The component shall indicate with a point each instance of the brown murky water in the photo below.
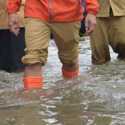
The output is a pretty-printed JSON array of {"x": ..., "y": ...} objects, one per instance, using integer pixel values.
[{"x": 97, "y": 97}]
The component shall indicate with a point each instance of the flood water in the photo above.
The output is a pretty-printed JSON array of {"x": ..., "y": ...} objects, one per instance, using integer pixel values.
[{"x": 96, "y": 97}]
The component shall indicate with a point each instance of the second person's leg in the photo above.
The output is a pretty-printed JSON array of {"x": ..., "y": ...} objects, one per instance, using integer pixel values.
[{"x": 100, "y": 41}]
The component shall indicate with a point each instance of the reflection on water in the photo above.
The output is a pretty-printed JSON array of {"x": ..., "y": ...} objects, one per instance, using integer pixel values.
[{"x": 97, "y": 97}]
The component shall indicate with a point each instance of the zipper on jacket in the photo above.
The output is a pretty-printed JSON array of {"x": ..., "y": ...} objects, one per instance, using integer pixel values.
[{"x": 50, "y": 10}]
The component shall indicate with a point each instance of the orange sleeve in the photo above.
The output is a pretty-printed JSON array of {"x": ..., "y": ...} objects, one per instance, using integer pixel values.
[
  {"x": 13, "y": 5},
  {"x": 92, "y": 6}
]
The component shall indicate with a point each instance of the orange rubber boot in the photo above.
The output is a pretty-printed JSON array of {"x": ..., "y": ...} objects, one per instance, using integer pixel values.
[
  {"x": 33, "y": 82},
  {"x": 70, "y": 74}
]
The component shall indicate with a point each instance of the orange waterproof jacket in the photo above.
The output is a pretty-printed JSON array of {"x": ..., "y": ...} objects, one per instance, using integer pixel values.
[{"x": 54, "y": 10}]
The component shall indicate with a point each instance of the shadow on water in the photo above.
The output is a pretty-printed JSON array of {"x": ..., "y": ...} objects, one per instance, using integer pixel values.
[{"x": 96, "y": 97}]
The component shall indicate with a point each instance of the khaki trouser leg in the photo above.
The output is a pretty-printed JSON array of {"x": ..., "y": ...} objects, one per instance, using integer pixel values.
[
  {"x": 117, "y": 35},
  {"x": 99, "y": 42},
  {"x": 66, "y": 36},
  {"x": 37, "y": 38}
]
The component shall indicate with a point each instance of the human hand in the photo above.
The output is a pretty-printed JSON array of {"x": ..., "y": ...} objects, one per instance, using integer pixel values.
[
  {"x": 90, "y": 23},
  {"x": 13, "y": 22}
]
